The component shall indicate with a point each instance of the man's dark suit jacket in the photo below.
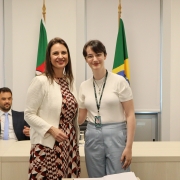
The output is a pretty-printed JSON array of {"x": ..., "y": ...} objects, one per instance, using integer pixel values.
[{"x": 18, "y": 124}]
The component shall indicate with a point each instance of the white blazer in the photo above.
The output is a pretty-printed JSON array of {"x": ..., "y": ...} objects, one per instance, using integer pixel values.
[{"x": 43, "y": 109}]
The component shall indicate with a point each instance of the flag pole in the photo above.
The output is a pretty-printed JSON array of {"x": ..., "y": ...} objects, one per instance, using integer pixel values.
[
  {"x": 44, "y": 11},
  {"x": 119, "y": 11}
]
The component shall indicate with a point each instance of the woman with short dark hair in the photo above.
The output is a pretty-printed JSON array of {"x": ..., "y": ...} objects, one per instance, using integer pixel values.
[{"x": 106, "y": 101}]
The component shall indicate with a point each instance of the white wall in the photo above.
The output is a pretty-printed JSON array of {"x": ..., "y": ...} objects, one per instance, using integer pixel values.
[
  {"x": 22, "y": 35},
  {"x": 170, "y": 119},
  {"x": 175, "y": 72},
  {"x": 1, "y": 45},
  {"x": 142, "y": 27},
  {"x": 67, "y": 19}
]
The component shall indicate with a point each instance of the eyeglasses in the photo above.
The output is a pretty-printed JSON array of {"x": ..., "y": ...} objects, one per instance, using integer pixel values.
[{"x": 90, "y": 57}]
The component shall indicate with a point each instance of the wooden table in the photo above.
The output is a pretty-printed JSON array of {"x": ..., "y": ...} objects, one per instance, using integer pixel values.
[
  {"x": 151, "y": 160},
  {"x": 156, "y": 160},
  {"x": 4, "y": 145}
]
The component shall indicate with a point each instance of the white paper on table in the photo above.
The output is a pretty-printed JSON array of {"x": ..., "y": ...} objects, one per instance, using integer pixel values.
[
  {"x": 89, "y": 178},
  {"x": 121, "y": 176}
]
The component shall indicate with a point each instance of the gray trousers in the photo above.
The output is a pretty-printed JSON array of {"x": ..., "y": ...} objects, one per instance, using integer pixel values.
[{"x": 103, "y": 149}]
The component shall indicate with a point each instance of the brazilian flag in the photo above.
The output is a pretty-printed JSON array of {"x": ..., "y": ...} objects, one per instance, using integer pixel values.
[{"x": 121, "y": 64}]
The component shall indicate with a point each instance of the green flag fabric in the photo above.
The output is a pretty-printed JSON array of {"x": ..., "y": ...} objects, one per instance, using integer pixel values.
[
  {"x": 40, "y": 65},
  {"x": 121, "y": 64}
]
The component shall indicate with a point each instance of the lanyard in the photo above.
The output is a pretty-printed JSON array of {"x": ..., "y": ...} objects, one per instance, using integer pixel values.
[{"x": 98, "y": 104}]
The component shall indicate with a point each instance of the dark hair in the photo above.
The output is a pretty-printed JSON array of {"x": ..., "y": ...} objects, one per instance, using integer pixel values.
[
  {"x": 49, "y": 72},
  {"x": 5, "y": 89},
  {"x": 96, "y": 45}
]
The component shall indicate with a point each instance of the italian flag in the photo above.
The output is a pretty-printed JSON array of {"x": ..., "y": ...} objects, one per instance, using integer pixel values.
[{"x": 41, "y": 55}]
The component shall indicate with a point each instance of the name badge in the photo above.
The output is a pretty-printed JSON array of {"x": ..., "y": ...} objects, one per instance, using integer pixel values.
[{"x": 98, "y": 121}]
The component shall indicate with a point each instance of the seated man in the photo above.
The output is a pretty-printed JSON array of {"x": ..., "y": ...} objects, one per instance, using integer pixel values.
[{"x": 13, "y": 125}]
